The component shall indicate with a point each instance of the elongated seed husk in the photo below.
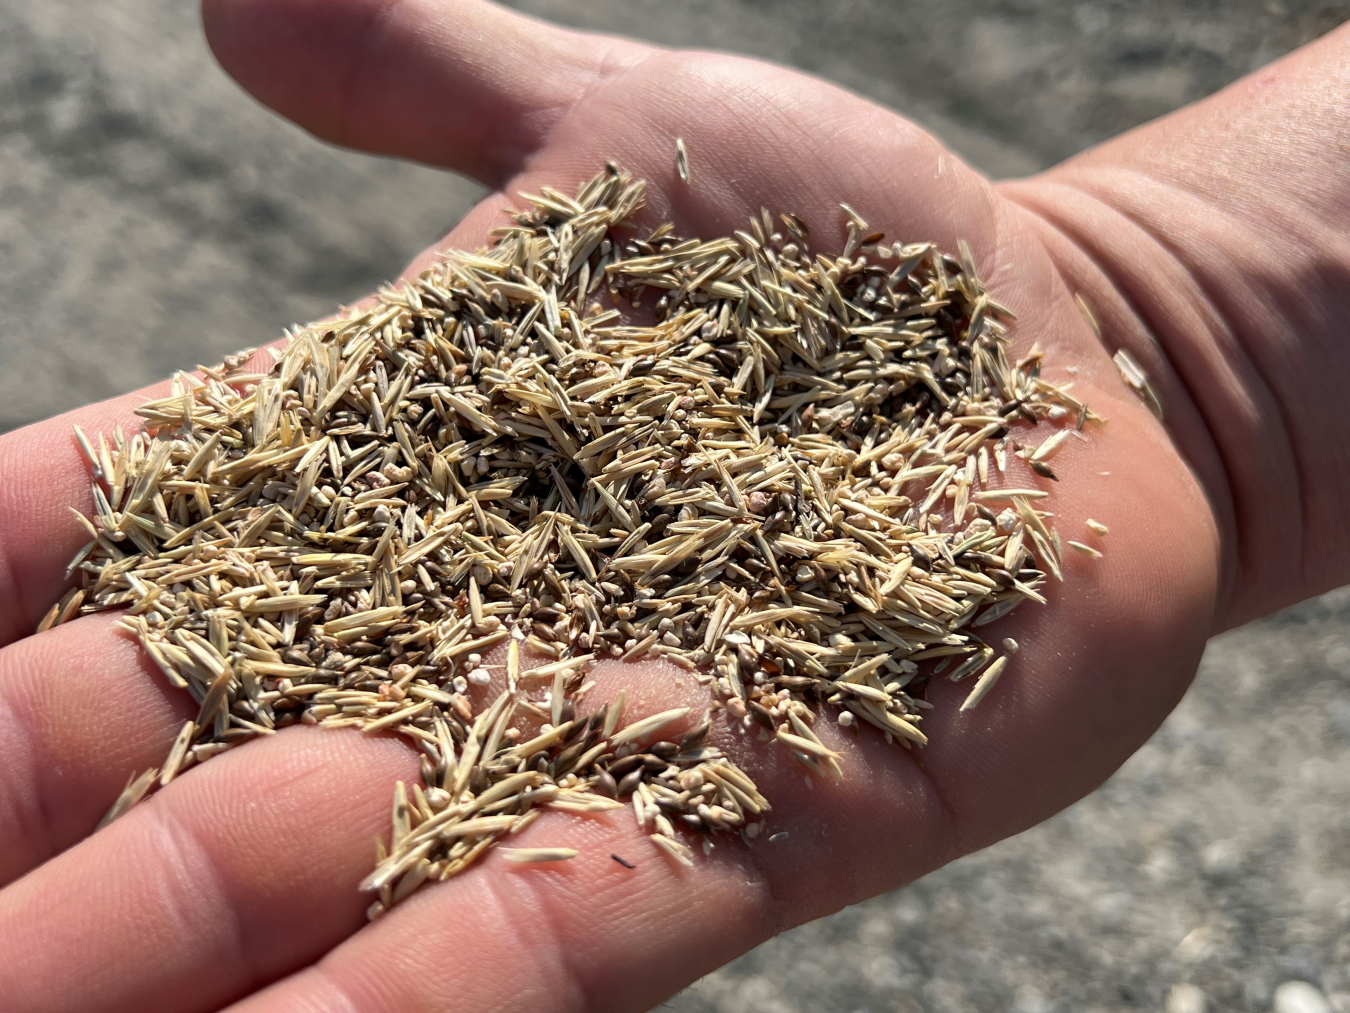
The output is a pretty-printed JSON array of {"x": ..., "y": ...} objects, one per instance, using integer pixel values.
[
  {"x": 529, "y": 855},
  {"x": 805, "y": 481}
]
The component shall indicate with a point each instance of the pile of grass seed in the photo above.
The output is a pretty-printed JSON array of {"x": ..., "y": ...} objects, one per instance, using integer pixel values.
[{"x": 432, "y": 517}]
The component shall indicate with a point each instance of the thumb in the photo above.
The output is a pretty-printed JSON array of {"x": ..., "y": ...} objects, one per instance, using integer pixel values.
[{"x": 462, "y": 84}]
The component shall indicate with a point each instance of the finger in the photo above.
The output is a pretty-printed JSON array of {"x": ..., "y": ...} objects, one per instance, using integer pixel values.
[
  {"x": 81, "y": 708},
  {"x": 238, "y": 872},
  {"x": 468, "y": 85}
]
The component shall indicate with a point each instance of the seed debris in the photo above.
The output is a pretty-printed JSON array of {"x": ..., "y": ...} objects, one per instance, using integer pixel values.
[
  {"x": 1086, "y": 550},
  {"x": 783, "y": 484},
  {"x": 985, "y": 683},
  {"x": 681, "y": 160},
  {"x": 525, "y": 856},
  {"x": 1137, "y": 380}
]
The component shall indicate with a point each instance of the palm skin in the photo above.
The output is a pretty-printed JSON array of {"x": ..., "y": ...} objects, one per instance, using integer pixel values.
[{"x": 235, "y": 886}]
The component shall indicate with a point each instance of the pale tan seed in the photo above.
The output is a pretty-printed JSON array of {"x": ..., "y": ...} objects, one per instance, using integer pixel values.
[
  {"x": 527, "y": 856},
  {"x": 1086, "y": 550},
  {"x": 778, "y": 480},
  {"x": 985, "y": 683}
]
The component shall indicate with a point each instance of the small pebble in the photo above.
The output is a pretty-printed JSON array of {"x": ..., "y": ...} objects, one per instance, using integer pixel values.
[
  {"x": 1300, "y": 997},
  {"x": 1185, "y": 998}
]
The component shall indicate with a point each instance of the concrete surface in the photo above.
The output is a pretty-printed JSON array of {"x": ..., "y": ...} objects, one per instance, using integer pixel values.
[{"x": 151, "y": 216}]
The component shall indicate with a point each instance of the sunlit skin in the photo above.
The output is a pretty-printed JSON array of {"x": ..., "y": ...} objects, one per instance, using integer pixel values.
[{"x": 1210, "y": 244}]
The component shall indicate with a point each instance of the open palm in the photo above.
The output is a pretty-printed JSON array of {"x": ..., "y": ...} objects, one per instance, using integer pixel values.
[{"x": 236, "y": 884}]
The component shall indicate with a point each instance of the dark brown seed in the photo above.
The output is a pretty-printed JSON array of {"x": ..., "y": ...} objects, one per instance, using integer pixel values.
[
  {"x": 694, "y": 736},
  {"x": 629, "y": 783},
  {"x": 569, "y": 754},
  {"x": 621, "y": 767}
]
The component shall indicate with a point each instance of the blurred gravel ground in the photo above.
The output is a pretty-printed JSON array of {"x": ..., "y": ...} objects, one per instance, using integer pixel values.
[{"x": 152, "y": 217}]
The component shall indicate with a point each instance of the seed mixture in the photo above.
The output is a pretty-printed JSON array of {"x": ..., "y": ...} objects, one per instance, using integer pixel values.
[{"x": 778, "y": 469}]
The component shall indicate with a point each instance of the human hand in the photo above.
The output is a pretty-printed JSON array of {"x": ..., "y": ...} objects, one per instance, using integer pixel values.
[{"x": 236, "y": 882}]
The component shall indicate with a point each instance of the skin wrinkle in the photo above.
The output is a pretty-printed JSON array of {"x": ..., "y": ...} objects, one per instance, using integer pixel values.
[
  {"x": 1247, "y": 541},
  {"x": 606, "y": 73},
  {"x": 299, "y": 776},
  {"x": 949, "y": 830},
  {"x": 1064, "y": 229},
  {"x": 503, "y": 915},
  {"x": 251, "y": 963},
  {"x": 1232, "y": 569},
  {"x": 51, "y": 781},
  {"x": 177, "y": 848},
  {"x": 772, "y": 903},
  {"x": 777, "y": 775},
  {"x": 562, "y": 966},
  {"x": 13, "y": 599},
  {"x": 1004, "y": 215},
  {"x": 34, "y": 819},
  {"x": 951, "y": 818},
  {"x": 785, "y": 770},
  {"x": 333, "y": 991}
]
